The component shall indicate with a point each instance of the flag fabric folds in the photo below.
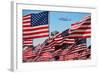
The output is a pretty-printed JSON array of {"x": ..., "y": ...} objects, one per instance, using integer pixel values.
[
  {"x": 35, "y": 26},
  {"x": 82, "y": 29}
]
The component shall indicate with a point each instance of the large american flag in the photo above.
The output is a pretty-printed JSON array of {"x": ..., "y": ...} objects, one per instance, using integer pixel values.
[
  {"x": 35, "y": 26},
  {"x": 81, "y": 29}
]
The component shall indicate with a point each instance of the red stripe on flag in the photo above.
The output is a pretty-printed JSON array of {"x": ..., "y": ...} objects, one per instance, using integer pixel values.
[
  {"x": 80, "y": 36},
  {"x": 26, "y": 18},
  {"x": 33, "y": 33},
  {"x": 26, "y": 26},
  {"x": 88, "y": 32},
  {"x": 37, "y": 28},
  {"x": 26, "y": 22}
]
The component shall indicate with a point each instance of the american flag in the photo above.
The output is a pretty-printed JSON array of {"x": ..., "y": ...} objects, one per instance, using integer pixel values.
[
  {"x": 59, "y": 39},
  {"x": 75, "y": 25},
  {"x": 69, "y": 40},
  {"x": 76, "y": 45},
  {"x": 66, "y": 40},
  {"x": 28, "y": 54},
  {"x": 35, "y": 26},
  {"x": 79, "y": 48},
  {"x": 75, "y": 51},
  {"x": 51, "y": 45},
  {"x": 28, "y": 42},
  {"x": 82, "y": 30}
]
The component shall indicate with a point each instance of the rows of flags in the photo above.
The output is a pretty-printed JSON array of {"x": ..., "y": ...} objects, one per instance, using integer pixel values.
[
  {"x": 78, "y": 50},
  {"x": 67, "y": 45}
]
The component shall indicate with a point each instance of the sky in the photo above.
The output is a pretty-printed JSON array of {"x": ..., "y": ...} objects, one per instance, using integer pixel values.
[{"x": 59, "y": 21}]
